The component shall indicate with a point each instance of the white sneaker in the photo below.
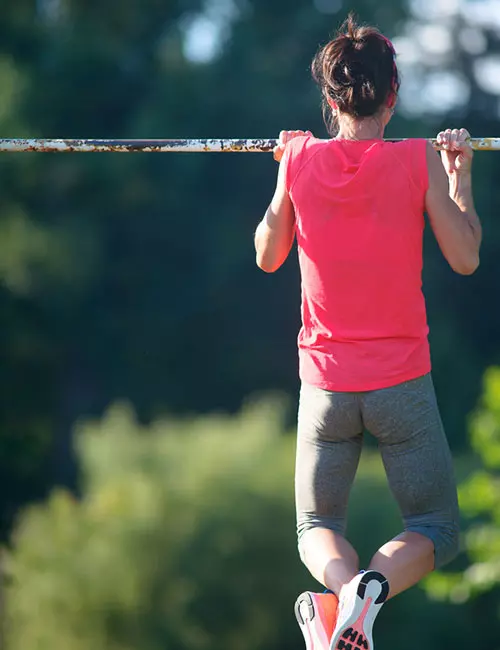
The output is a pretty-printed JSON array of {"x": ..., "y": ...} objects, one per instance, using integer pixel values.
[
  {"x": 360, "y": 602},
  {"x": 317, "y": 615}
]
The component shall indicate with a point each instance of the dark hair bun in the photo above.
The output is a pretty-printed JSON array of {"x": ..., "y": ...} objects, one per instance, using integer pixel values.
[{"x": 357, "y": 70}]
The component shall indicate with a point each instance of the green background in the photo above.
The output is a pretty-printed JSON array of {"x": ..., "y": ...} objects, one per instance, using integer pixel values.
[{"x": 130, "y": 299}]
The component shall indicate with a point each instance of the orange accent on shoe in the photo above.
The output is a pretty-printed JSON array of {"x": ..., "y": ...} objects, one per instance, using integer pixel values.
[
  {"x": 326, "y": 606},
  {"x": 317, "y": 617}
]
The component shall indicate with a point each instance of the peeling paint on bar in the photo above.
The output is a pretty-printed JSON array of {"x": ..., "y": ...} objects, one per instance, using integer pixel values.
[
  {"x": 131, "y": 146},
  {"x": 179, "y": 146}
]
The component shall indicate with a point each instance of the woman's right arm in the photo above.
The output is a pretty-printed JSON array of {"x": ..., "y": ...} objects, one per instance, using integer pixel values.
[{"x": 449, "y": 202}]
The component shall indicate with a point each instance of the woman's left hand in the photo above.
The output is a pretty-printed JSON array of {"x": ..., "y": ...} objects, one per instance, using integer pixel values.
[{"x": 284, "y": 138}]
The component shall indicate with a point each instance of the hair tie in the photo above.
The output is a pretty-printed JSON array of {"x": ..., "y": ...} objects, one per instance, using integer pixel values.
[{"x": 392, "y": 49}]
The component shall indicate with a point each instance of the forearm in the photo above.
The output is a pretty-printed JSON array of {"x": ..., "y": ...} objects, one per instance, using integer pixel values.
[
  {"x": 461, "y": 194},
  {"x": 267, "y": 256}
]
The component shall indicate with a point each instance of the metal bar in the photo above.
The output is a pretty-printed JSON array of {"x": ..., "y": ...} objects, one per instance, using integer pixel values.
[
  {"x": 130, "y": 146},
  {"x": 162, "y": 146}
]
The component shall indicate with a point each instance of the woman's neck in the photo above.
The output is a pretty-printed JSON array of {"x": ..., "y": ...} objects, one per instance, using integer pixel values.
[{"x": 362, "y": 129}]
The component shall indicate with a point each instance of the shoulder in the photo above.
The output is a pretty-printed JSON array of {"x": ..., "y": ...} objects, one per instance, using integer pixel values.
[
  {"x": 415, "y": 148},
  {"x": 298, "y": 153},
  {"x": 302, "y": 148},
  {"x": 415, "y": 145},
  {"x": 305, "y": 143}
]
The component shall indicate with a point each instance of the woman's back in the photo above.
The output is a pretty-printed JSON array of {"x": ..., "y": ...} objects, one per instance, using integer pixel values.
[{"x": 359, "y": 209}]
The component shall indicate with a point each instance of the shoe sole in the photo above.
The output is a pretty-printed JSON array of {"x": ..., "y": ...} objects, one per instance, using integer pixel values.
[
  {"x": 356, "y": 631},
  {"x": 310, "y": 624}
]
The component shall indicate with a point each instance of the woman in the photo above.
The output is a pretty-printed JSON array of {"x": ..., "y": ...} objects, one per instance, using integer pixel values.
[{"x": 356, "y": 206}]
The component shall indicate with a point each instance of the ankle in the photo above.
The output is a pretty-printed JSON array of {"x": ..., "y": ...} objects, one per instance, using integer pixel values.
[{"x": 339, "y": 586}]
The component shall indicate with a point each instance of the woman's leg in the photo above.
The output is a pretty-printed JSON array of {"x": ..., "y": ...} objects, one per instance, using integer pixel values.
[
  {"x": 329, "y": 442},
  {"x": 329, "y": 557},
  {"x": 404, "y": 561},
  {"x": 405, "y": 419}
]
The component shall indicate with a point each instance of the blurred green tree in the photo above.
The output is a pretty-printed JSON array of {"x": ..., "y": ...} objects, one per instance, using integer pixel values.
[
  {"x": 133, "y": 277},
  {"x": 168, "y": 544},
  {"x": 480, "y": 503},
  {"x": 184, "y": 538}
]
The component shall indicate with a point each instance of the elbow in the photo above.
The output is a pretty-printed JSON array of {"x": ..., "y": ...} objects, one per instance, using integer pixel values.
[
  {"x": 468, "y": 266},
  {"x": 267, "y": 258},
  {"x": 266, "y": 264}
]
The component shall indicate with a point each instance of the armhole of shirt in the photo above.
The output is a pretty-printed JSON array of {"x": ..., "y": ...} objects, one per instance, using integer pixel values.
[
  {"x": 288, "y": 160},
  {"x": 416, "y": 157}
]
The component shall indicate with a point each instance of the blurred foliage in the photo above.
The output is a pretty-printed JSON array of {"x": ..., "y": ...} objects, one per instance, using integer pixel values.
[
  {"x": 130, "y": 280},
  {"x": 133, "y": 277},
  {"x": 480, "y": 503},
  {"x": 165, "y": 546},
  {"x": 184, "y": 538}
]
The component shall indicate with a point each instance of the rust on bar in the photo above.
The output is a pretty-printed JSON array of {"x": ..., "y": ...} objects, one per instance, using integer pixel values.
[
  {"x": 180, "y": 145},
  {"x": 132, "y": 146}
]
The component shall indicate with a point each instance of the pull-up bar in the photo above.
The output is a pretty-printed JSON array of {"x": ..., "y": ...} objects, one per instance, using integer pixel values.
[{"x": 163, "y": 146}]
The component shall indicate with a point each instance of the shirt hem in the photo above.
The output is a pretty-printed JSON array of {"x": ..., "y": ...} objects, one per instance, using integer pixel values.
[{"x": 369, "y": 386}]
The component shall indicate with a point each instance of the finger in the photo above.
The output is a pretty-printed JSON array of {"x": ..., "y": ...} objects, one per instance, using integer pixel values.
[
  {"x": 278, "y": 153},
  {"x": 441, "y": 137},
  {"x": 464, "y": 143},
  {"x": 443, "y": 141},
  {"x": 290, "y": 135},
  {"x": 447, "y": 139},
  {"x": 282, "y": 138},
  {"x": 454, "y": 140}
]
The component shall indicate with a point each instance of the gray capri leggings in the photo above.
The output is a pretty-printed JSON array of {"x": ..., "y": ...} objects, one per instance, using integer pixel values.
[{"x": 406, "y": 422}]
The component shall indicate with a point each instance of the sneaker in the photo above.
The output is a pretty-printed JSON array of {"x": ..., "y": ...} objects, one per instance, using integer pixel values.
[
  {"x": 317, "y": 615},
  {"x": 360, "y": 602}
]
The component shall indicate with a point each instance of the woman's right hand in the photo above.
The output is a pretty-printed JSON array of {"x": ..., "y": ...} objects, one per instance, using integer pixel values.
[
  {"x": 284, "y": 138},
  {"x": 456, "y": 152}
]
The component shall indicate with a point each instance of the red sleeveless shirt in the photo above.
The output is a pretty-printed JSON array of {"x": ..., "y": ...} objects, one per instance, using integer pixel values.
[{"x": 359, "y": 208}]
